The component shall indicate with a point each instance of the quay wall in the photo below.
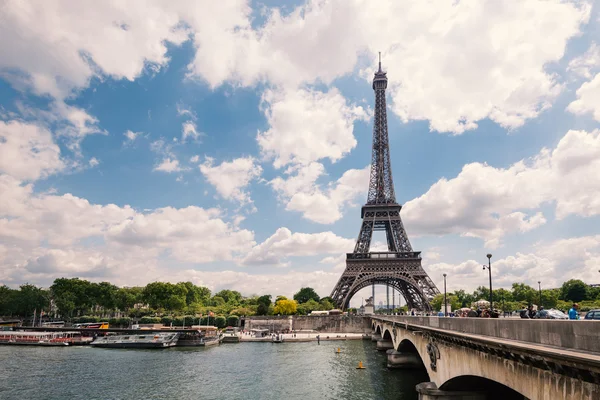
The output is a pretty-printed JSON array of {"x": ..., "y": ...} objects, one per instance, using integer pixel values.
[{"x": 320, "y": 323}]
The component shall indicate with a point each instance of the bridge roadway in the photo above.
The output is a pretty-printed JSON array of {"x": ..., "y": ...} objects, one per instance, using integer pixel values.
[{"x": 483, "y": 358}]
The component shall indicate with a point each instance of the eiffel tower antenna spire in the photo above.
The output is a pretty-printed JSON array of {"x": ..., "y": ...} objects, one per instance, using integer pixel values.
[{"x": 400, "y": 266}]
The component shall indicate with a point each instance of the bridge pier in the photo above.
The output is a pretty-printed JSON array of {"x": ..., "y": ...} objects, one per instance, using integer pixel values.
[
  {"x": 403, "y": 360},
  {"x": 430, "y": 391},
  {"x": 384, "y": 344},
  {"x": 375, "y": 337}
]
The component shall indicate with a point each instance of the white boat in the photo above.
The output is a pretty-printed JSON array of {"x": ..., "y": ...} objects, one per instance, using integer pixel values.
[
  {"x": 158, "y": 340},
  {"x": 277, "y": 338},
  {"x": 231, "y": 335}
]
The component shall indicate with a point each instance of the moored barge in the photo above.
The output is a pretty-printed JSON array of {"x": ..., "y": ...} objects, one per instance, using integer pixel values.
[
  {"x": 158, "y": 340},
  {"x": 69, "y": 338}
]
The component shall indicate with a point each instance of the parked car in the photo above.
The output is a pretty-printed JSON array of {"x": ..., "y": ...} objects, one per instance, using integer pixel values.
[
  {"x": 593, "y": 314},
  {"x": 553, "y": 314}
]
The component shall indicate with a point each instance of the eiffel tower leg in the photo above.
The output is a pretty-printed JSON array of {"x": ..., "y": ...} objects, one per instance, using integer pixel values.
[{"x": 363, "y": 243}]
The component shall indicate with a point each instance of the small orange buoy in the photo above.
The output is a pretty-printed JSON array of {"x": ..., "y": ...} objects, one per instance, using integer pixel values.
[
  {"x": 360, "y": 365},
  {"x": 338, "y": 350}
]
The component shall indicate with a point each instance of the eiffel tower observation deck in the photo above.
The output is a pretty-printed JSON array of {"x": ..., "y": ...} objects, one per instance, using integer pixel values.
[{"x": 400, "y": 266}]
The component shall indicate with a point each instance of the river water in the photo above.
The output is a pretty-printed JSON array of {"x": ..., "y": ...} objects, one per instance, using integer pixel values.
[{"x": 230, "y": 371}]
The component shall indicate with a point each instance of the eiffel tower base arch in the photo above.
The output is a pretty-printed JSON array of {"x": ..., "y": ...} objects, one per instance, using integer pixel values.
[{"x": 401, "y": 271}]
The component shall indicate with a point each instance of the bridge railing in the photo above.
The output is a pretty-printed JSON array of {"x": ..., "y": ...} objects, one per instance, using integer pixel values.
[{"x": 574, "y": 335}]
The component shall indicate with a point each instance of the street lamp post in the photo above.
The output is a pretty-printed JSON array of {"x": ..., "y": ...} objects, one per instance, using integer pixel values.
[
  {"x": 540, "y": 291},
  {"x": 445, "y": 301},
  {"x": 489, "y": 268}
]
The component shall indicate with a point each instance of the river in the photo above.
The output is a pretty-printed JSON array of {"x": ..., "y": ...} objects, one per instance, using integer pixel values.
[{"x": 230, "y": 371}]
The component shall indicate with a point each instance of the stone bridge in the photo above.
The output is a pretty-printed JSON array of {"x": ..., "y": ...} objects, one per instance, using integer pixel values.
[{"x": 482, "y": 358}]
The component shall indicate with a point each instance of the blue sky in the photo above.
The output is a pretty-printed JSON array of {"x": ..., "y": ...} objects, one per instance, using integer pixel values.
[{"x": 230, "y": 148}]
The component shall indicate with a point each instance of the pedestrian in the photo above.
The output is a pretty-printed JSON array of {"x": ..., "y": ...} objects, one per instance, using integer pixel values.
[{"x": 573, "y": 314}]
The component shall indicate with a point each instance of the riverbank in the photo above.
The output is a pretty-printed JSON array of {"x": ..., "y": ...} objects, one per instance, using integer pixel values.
[{"x": 307, "y": 337}]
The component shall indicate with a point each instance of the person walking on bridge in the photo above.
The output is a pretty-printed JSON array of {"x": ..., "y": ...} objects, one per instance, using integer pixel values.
[{"x": 573, "y": 314}]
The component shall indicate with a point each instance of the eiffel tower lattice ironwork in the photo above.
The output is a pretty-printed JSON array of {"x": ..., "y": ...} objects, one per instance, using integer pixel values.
[{"x": 399, "y": 267}]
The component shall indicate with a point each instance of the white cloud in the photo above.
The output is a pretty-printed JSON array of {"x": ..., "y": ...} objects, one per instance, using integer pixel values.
[
  {"x": 551, "y": 262},
  {"x": 189, "y": 131},
  {"x": 587, "y": 63},
  {"x": 588, "y": 99},
  {"x": 283, "y": 243},
  {"x": 318, "y": 204},
  {"x": 131, "y": 136},
  {"x": 230, "y": 178},
  {"x": 191, "y": 234},
  {"x": 27, "y": 151},
  {"x": 195, "y": 159},
  {"x": 429, "y": 52},
  {"x": 168, "y": 165},
  {"x": 487, "y": 202},
  {"x": 308, "y": 125},
  {"x": 93, "y": 162},
  {"x": 60, "y": 220},
  {"x": 106, "y": 39}
]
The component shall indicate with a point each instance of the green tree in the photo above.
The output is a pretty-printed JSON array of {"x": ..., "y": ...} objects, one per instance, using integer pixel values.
[
  {"x": 127, "y": 298},
  {"x": 106, "y": 295},
  {"x": 326, "y": 304},
  {"x": 523, "y": 293},
  {"x": 285, "y": 307},
  {"x": 72, "y": 295},
  {"x": 438, "y": 301},
  {"x": 464, "y": 298},
  {"x": 307, "y": 307},
  {"x": 7, "y": 300},
  {"x": 305, "y": 294},
  {"x": 264, "y": 302},
  {"x": 30, "y": 298},
  {"x": 233, "y": 320},
  {"x": 481, "y": 293},
  {"x": 220, "y": 322},
  {"x": 230, "y": 296},
  {"x": 550, "y": 297},
  {"x": 573, "y": 290},
  {"x": 217, "y": 301},
  {"x": 165, "y": 295}
]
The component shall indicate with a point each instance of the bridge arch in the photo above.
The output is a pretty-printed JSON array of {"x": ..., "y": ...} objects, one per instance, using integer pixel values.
[
  {"x": 378, "y": 330},
  {"x": 495, "y": 390},
  {"x": 387, "y": 335}
]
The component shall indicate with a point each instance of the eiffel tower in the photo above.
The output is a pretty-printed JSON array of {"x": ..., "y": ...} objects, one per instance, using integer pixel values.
[{"x": 400, "y": 266}]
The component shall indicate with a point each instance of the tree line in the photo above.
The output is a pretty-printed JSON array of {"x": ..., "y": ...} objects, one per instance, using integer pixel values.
[
  {"x": 79, "y": 300},
  {"x": 521, "y": 295}
]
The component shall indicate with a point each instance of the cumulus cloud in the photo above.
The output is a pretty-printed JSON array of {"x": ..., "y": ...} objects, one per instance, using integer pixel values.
[
  {"x": 588, "y": 99},
  {"x": 587, "y": 63},
  {"x": 168, "y": 165},
  {"x": 307, "y": 126},
  {"x": 428, "y": 51},
  {"x": 27, "y": 151},
  {"x": 283, "y": 243},
  {"x": 230, "y": 178},
  {"x": 93, "y": 162},
  {"x": 324, "y": 205},
  {"x": 131, "y": 136},
  {"x": 487, "y": 202},
  {"x": 551, "y": 262}
]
